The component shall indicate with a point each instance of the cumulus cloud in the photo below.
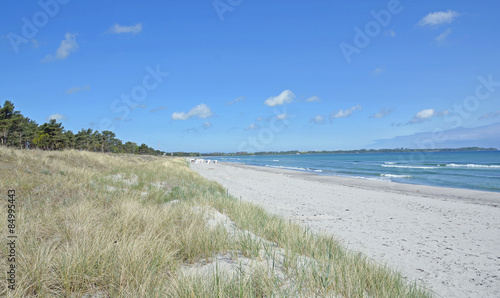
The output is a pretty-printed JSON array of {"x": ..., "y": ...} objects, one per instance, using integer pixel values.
[
  {"x": 154, "y": 110},
  {"x": 68, "y": 46},
  {"x": 201, "y": 111},
  {"x": 346, "y": 113},
  {"x": 57, "y": 117},
  {"x": 442, "y": 37},
  {"x": 313, "y": 99},
  {"x": 282, "y": 116},
  {"x": 73, "y": 90},
  {"x": 438, "y": 18},
  {"x": 252, "y": 126},
  {"x": 118, "y": 29},
  {"x": 241, "y": 98},
  {"x": 382, "y": 113},
  {"x": 426, "y": 115},
  {"x": 285, "y": 97},
  {"x": 318, "y": 120},
  {"x": 422, "y": 116}
]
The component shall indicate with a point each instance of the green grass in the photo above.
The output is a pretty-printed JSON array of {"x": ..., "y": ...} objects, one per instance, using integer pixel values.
[{"x": 91, "y": 223}]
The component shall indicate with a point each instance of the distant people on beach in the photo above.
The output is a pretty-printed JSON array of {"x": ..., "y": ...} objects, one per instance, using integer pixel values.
[{"x": 201, "y": 160}]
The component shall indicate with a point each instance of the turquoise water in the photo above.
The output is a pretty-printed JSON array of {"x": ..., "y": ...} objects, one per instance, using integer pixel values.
[{"x": 479, "y": 170}]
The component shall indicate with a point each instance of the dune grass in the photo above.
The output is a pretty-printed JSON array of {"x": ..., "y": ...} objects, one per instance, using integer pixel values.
[{"x": 100, "y": 225}]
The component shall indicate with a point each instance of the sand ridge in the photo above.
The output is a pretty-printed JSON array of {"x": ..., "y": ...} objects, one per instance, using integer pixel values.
[{"x": 446, "y": 239}]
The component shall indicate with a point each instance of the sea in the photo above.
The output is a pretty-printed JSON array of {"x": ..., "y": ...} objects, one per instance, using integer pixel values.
[{"x": 477, "y": 170}]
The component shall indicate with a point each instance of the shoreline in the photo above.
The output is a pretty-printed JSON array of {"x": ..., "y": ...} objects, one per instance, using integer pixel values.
[
  {"x": 444, "y": 238},
  {"x": 481, "y": 197},
  {"x": 472, "y": 170}
]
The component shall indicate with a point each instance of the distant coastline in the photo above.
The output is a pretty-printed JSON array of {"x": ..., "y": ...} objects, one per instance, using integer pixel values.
[{"x": 297, "y": 152}]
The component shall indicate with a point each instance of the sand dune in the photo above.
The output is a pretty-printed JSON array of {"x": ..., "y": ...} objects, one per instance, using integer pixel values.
[{"x": 446, "y": 239}]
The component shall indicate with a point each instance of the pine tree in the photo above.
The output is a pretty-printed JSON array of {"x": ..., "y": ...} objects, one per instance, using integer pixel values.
[
  {"x": 55, "y": 131},
  {"x": 108, "y": 139},
  {"x": 69, "y": 140},
  {"x": 41, "y": 140},
  {"x": 23, "y": 129},
  {"x": 8, "y": 117}
]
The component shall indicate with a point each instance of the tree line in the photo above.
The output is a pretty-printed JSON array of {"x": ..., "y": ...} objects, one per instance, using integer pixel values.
[{"x": 17, "y": 130}]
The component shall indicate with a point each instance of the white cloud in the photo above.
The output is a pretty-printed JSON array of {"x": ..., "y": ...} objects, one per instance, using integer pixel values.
[
  {"x": 241, "y": 98},
  {"x": 207, "y": 124},
  {"x": 346, "y": 113},
  {"x": 422, "y": 116},
  {"x": 318, "y": 120},
  {"x": 68, "y": 45},
  {"x": 285, "y": 97},
  {"x": 425, "y": 115},
  {"x": 282, "y": 116},
  {"x": 201, "y": 111},
  {"x": 77, "y": 89},
  {"x": 313, "y": 99},
  {"x": 442, "y": 37},
  {"x": 117, "y": 29},
  {"x": 382, "y": 113},
  {"x": 438, "y": 18},
  {"x": 57, "y": 117},
  {"x": 138, "y": 106},
  {"x": 251, "y": 126}
]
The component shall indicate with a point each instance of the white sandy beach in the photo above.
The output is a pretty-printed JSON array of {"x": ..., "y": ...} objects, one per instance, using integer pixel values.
[{"x": 446, "y": 239}]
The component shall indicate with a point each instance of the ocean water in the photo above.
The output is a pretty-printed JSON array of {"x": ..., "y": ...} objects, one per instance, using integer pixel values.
[{"x": 478, "y": 170}]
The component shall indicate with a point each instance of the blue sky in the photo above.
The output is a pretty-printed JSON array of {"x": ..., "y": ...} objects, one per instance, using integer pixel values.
[{"x": 240, "y": 75}]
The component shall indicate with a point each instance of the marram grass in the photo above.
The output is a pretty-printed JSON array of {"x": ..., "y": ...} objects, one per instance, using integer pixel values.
[{"x": 101, "y": 225}]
